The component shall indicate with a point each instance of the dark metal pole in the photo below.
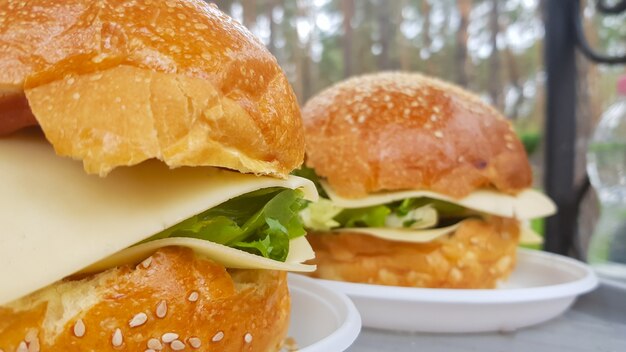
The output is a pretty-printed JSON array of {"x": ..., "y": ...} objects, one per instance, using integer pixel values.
[{"x": 560, "y": 125}]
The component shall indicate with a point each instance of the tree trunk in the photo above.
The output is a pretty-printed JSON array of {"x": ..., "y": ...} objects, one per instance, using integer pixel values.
[
  {"x": 404, "y": 46},
  {"x": 495, "y": 77},
  {"x": 464, "y": 8},
  {"x": 347, "y": 7},
  {"x": 515, "y": 81},
  {"x": 271, "y": 46},
  {"x": 249, "y": 13},
  {"x": 384, "y": 27},
  {"x": 426, "y": 39},
  {"x": 225, "y": 5}
]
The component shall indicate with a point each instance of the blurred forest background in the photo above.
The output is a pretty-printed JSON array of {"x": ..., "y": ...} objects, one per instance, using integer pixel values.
[{"x": 492, "y": 47}]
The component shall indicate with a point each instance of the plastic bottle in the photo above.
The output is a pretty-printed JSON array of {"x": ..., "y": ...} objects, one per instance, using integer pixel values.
[{"x": 606, "y": 166}]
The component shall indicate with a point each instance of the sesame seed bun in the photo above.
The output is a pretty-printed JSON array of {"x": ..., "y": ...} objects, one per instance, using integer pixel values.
[
  {"x": 173, "y": 300},
  {"x": 114, "y": 83},
  {"x": 395, "y": 131},
  {"x": 477, "y": 255}
]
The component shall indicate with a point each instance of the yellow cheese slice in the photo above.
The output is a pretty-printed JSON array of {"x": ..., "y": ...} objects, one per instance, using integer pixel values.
[
  {"x": 528, "y": 204},
  {"x": 527, "y": 235},
  {"x": 56, "y": 220},
  {"x": 299, "y": 250},
  {"x": 404, "y": 235}
]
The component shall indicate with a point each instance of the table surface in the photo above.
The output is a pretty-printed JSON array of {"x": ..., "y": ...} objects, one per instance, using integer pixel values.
[{"x": 596, "y": 322}]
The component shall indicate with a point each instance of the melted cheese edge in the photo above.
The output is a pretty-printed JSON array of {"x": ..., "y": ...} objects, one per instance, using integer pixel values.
[
  {"x": 528, "y": 204},
  {"x": 57, "y": 220},
  {"x": 527, "y": 235}
]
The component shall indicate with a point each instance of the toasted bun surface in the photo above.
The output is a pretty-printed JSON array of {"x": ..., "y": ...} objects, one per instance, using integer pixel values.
[
  {"x": 477, "y": 255},
  {"x": 393, "y": 131},
  {"x": 240, "y": 310},
  {"x": 115, "y": 82}
]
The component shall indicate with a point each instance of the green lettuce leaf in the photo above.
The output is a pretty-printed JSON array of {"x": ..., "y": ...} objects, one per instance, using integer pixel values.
[
  {"x": 320, "y": 215},
  {"x": 261, "y": 222},
  {"x": 416, "y": 213},
  {"x": 373, "y": 216}
]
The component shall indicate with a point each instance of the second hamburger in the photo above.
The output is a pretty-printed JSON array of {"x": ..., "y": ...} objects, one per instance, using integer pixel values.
[{"x": 425, "y": 185}]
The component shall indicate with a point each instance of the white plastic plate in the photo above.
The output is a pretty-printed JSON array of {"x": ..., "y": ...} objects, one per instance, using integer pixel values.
[
  {"x": 322, "y": 320},
  {"x": 543, "y": 286}
]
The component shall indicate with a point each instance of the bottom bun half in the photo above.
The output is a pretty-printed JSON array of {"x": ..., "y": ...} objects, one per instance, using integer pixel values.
[
  {"x": 477, "y": 255},
  {"x": 172, "y": 301}
]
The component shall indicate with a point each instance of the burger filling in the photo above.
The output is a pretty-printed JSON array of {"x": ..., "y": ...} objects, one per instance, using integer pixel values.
[
  {"x": 260, "y": 222},
  {"x": 410, "y": 213}
]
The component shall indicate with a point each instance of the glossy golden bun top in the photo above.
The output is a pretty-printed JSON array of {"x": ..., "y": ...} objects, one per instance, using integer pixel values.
[
  {"x": 394, "y": 131},
  {"x": 115, "y": 82}
]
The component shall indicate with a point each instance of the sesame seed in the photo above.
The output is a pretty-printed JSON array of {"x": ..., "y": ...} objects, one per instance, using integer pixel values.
[
  {"x": 31, "y": 336},
  {"x": 436, "y": 109},
  {"x": 70, "y": 81},
  {"x": 195, "y": 342},
  {"x": 510, "y": 146},
  {"x": 169, "y": 337},
  {"x": 218, "y": 337},
  {"x": 99, "y": 58},
  {"x": 138, "y": 320},
  {"x": 149, "y": 350},
  {"x": 117, "y": 338},
  {"x": 146, "y": 263},
  {"x": 461, "y": 159},
  {"x": 155, "y": 344},
  {"x": 22, "y": 347},
  {"x": 76, "y": 96},
  {"x": 433, "y": 118},
  {"x": 193, "y": 296},
  {"x": 247, "y": 337},
  {"x": 177, "y": 345},
  {"x": 428, "y": 126},
  {"x": 161, "y": 309},
  {"x": 79, "y": 328},
  {"x": 438, "y": 134},
  {"x": 33, "y": 346}
]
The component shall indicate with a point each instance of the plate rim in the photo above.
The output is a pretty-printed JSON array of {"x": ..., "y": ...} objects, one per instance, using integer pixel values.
[
  {"x": 346, "y": 334},
  {"x": 586, "y": 283}
]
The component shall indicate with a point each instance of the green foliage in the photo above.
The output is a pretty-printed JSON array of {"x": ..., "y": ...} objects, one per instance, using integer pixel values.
[{"x": 530, "y": 140}]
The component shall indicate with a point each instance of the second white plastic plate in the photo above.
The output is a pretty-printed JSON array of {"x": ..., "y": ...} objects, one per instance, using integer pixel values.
[{"x": 542, "y": 287}]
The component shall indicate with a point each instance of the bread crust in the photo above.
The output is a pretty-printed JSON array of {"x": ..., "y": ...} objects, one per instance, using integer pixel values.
[
  {"x": 239, "y": 310},
  {"x": 202, "y": 89},
  {"x": 477, "y": 255},
  {"x": 394, "y": 131}
]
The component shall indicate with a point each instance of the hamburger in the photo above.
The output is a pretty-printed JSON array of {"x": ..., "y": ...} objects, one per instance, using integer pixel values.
[
  {"x": 422, "y": 184},
  {"x": 177, "y": 229}
]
